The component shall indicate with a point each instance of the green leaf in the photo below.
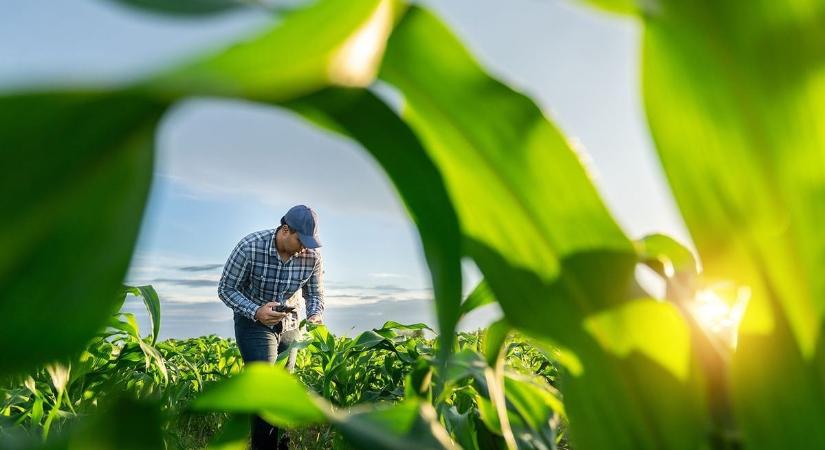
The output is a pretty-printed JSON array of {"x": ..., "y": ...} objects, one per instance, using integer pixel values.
[
  {"x": 348, "y": 39},
  {"x": 524, "y": 201},
  {"x": 409, "y": 425},
  {"x": 536, "y": 227},
  {"x": 480, "y": 296},
  {"x": 620, "y": 6},
  {"x": 365, "y": 118},
  {"x": 367, "y": 340},
  {"x": 666, "y": 256},
  {"x": 652, "y": 328},
  {"x": 535, "y": 405},
  {"x": 267, "y": 390},
  {"x": 184, "y": 7},
  {"x": 152, "y": 302},
  {"x": 78, "y": 173},
  {"x": 460, "y": 426},
  {"x": 122, "y": 424},
  {"x": 494, "y": 338},
  {"x": 234, "y": 435},
  {"x": 393, "y": 325},
  {"x": 743, "y": 154}
]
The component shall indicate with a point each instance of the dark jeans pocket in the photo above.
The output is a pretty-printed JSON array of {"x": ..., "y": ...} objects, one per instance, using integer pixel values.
[{"x": 257, "y": 342}]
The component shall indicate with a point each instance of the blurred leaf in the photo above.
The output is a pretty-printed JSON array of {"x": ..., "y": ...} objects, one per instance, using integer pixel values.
[
  {"x": 234, "y": 435},
  {"x": 409, "y": 425},
  {"x": 123, "y": 424},
  {"x": 460, "y": 426},
  {"x": 530, "y": 217},
  {"x": 368, "y": 120},
  {"x": 487, "y": 414},
  {"x": 348, "y": 39},
  {"x": 536, "y": 227},
  {"x": 666, "y": 256},
  {"x": 621, "y": 6},
  {"x": 78, "y": 173},
  {"x": 641, "y": 326},
  {"x": 185, "y": 7},
  {"x": 494, "y": 338},
  {"x": 480, "y": 296},
  {"x": 743, "y": 154},
  {"x": 267, "y": 390},
  {"x": 535, "y": 406},
  {"x": 418, "y": 382}
]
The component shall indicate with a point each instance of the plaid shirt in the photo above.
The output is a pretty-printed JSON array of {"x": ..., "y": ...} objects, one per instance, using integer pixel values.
[{"x": 254, "y": 274}]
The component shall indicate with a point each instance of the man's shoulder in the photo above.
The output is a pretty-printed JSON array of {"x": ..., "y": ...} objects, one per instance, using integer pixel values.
[
  {"x": 257, "y": 238},
  {"x": 311, "y": 253}
]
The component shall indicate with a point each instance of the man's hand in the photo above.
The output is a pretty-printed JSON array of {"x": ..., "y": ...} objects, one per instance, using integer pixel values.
[
  {"x": 315, "y": 318},
  {"x": 267, "y": 316}
]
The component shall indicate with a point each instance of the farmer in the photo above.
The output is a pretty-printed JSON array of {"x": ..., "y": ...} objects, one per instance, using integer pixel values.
[{"x": 265, "y": 270}]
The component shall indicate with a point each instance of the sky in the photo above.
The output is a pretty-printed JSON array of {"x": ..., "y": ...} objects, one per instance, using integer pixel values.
[{"x": 227, "y": 168}]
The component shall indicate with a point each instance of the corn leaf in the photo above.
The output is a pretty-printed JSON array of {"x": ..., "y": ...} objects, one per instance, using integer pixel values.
[
  {"x": 78, "y": 173},
  {"x": 549, "y": 250},
  {"x": 734, "y": 94}
]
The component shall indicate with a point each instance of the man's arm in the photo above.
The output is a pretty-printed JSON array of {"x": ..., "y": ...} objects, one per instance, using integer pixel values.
[
  {"x": 313, "y": 292},
  {"x": 235, "y": 272}
]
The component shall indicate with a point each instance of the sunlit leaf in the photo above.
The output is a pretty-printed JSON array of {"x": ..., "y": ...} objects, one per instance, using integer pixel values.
[
  {"x": 536, "y": 227},
  {"x": 348, "y": 38},
  {"x": 642, "y": 326},
  {"x": 254, "y": 391},
  {"x": 743, "y": 154}
]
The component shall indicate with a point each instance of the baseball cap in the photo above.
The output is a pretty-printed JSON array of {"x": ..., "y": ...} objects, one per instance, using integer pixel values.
[{"x": 304, "y": 221}]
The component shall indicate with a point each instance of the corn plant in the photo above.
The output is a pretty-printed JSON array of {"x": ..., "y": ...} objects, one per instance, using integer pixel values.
[
  {"x": 121, "y": 363},
  {"x": 733, "y": 95}
]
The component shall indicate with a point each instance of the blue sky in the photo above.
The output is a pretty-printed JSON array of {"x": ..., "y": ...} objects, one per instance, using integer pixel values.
[{"x": 227, "y": 168}]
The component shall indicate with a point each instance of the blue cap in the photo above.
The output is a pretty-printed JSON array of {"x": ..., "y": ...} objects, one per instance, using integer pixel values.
[{"x": 304, "y": 221}]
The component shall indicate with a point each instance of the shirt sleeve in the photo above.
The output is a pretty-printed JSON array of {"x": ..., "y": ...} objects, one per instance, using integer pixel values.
[
  {"x": 313, "y": 290},
  {"x": 235, "y": 273}
]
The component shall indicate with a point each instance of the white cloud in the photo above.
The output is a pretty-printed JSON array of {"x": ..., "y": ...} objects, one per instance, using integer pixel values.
[{"x": 231, "y": 149}]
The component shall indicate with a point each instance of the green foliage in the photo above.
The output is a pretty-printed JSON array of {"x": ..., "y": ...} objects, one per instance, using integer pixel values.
[
  {"x": 185, "y": 7},
  {"x": 394, "y": 145},
  {"x": 78, "y": 171},
  {"x": 733, "y": 95},
  {"x": 116, "y": 367},
  {"x": 121, "y": 375},
  {"x": 391, "y": 376},
  {"x": 742, "y": 153}
]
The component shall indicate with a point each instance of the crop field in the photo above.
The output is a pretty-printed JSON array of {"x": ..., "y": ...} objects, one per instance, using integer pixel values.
[
  {"x": 386, "y": 366},
  {"x": 586, "y": 355}
]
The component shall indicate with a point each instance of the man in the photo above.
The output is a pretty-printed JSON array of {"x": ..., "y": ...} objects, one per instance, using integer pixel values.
[{"x": 264, "y": 273}]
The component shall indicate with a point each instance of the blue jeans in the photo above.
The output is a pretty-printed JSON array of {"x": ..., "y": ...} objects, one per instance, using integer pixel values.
[{"x": 258, "y": 342}]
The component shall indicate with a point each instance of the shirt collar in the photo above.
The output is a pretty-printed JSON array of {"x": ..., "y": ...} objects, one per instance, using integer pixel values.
[{"x": 273, "y": 248}]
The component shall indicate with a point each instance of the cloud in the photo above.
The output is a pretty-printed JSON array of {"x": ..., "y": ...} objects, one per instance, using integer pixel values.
[
  {"x": 388, "y": 275},
  {"x": 201, "y": 268},
  {"x": 198, "y": 148},
  {"x": 187, "y": 282},
  {"x": 389, "y": 288}
]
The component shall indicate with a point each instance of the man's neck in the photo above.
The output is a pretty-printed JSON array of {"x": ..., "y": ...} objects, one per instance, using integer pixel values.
[{"x": 282, "y": 254}]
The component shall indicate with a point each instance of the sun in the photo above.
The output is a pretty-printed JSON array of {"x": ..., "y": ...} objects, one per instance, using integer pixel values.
[{"x": 719, "y": 308}]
